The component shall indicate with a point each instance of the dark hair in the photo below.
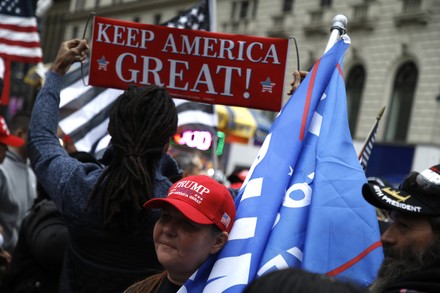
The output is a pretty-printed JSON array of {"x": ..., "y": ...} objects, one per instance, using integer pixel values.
[
  {"x": 20, "y": 121},
  {"x": 299, "y": 281},
  {"x": 142, "y": 120}
]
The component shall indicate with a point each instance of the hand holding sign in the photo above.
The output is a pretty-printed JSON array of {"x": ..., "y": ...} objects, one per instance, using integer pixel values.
[
  {"x": 298, "y": 77},
  {"x": 69, "y": 52}
]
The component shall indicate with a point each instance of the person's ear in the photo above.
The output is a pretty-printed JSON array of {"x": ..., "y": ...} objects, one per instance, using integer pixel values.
[
  {"x": 167, "y": 146},
  {"x": 220, "y": 241},
  {"x": 20, "y": 132}
]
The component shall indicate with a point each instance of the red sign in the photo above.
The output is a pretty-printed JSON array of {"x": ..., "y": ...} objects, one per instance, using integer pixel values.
[{"x": 201, "y": 66}]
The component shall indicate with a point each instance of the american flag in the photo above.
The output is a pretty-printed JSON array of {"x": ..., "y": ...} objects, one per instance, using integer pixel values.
[
  {"x": 84, "y": 110},
  {"x": 194, "y": 18},
  {"x": 226, "y": 220},
  {"x": 19, "y": 38},
  {"x": 365, "y": 153}
]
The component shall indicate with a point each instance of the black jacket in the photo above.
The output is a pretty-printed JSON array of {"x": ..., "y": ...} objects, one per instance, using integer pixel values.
[
  {"x": 426, "y": 281},
  {"x": 38, "y": 256}
]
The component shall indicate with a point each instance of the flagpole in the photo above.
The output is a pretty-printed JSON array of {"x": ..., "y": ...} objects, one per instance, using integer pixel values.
[
  {"x": 212, "y": 15},
  {"x": 212, "y": 7},
  {"x": 339, "y": 28},
  {"x": 373, "y": 129}
]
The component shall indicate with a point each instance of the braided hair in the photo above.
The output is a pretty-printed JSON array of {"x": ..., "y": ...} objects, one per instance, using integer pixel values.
[{"x": 142, "y": 120}]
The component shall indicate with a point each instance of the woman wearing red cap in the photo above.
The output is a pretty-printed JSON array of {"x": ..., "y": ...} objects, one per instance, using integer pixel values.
[{"x": 195, "y": 222}]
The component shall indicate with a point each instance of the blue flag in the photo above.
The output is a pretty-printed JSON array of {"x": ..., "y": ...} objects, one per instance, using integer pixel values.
[{"x": 301, "y": 204}]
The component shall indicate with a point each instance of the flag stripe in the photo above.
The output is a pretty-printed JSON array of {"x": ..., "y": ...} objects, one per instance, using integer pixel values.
[
  {"x": 308, "y": 99},
  {"x": 23, "y": 29},
  {"x": 15, "y": 35},
  {"x": 18, "y": 42},
  {"x": 101, "y": 143},
  {"x": 354, "y": 260},
  {"x": 76, "y": 75},
  {"x": 17, "y": 21},
  {"x": 73, "y": 92},
  {"x": 91, "y": 124},
  {"x": 197, "y": 115},
  {"x": 188, "y": 106},
  {"x": 20, "y": 51},
  {"x": 76, "y": 104},
  {"x": 22, "y": 59},
  {"x": 86, "y": 113},
  {"x": 365, "y": 153},
  {"x": 96, "y": 144},
  {"x": 340, "y": 70}
]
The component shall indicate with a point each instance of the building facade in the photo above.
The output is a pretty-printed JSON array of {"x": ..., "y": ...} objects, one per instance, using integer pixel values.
[{"x": 393, "y": 61}]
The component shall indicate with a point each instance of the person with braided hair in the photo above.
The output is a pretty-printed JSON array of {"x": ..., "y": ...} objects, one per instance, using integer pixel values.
[{"x": 111, "y": 244}]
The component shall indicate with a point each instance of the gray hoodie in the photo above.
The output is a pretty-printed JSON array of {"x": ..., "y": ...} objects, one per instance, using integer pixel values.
[{"x": 17, "y": 193}]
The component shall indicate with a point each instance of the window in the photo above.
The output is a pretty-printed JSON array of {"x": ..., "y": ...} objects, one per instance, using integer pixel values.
[
  {"x": 287, "y": 5},
  {"x": 157, "y": 18},
  {"x": 80, "y": 5},
  {"x": 411, "y": 5},
  {"x": 355, "y": 87},
  {"x": 326, "y": 3},
  {"x": 401, "y": 103},
  {"x": 244, "y": 9},
  {"x": 233, "y": 10},
  {"x": 244, "y": 6},
  {"x": 254, "y": 9},
  {"x": 361, "y": 10}
]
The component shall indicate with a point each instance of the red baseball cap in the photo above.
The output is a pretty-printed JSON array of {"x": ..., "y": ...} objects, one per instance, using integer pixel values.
[
  {"x": 202, "y": 200},
  {"x": 6, "y": 137}
]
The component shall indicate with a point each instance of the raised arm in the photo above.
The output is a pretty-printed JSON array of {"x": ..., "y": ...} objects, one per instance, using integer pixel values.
[{"x": 52, "y": 165}]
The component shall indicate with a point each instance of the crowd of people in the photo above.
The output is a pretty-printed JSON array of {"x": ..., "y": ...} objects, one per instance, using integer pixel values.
[{"x": 138, "y": 220}]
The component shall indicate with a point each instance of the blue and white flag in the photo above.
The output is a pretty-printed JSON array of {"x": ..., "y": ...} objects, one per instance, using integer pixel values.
[{"x": 301, "y": 204}]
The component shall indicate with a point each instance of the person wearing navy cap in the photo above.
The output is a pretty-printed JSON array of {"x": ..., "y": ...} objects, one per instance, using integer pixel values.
[{"x": 411, "y": 243}]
